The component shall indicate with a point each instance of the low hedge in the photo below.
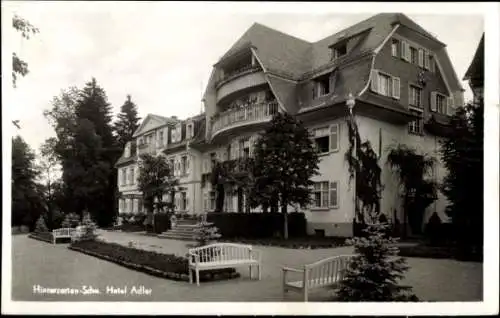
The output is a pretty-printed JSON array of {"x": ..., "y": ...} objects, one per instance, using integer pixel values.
[
  {"x": 442, "y": 252},
  {"x": 257, "y": 225},
  {"x": 294, "y": 243},
  {"x": 41, "y": 236},
  {"x": 162, "y": 265}
]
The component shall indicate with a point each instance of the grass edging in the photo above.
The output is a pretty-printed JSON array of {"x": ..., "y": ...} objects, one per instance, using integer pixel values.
[{"x": 147, "y": 269}]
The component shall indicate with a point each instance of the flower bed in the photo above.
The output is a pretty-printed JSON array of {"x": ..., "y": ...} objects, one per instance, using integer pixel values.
[
  {"x": 42, "y": 236},
  {"x": 295, "y": 243},
  {"x": 162, "y": 265}
]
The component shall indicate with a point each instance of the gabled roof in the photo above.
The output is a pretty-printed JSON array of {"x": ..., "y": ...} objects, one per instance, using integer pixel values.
[
  {"x": 161, "y": 119},
  {"x": 476, "y": 67}
]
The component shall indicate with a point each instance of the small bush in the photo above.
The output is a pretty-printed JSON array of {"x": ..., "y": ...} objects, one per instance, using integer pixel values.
[
  {"x": 206, "y": 233},
  {"x": 71, "y": 220},
  {"x": 41, "y": 227},
  {"x": 375, "y": 270}
]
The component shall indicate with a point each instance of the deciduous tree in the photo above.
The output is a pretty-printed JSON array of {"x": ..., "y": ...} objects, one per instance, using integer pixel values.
[
  {"x": 20, "y": 67},
  {"x": 285, "y": 161}
]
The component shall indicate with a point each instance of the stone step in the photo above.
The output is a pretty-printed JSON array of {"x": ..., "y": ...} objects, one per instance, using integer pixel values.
[{"x": 174, "y": 236}]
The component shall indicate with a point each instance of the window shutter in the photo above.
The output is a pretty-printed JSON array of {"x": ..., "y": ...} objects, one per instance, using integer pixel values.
[
  {"x": 426, "y": 60},
  {"x": 396, "y": 87},
  {"x": 334, "y": 137},
  {"x": 450, "y": 106},
  {"x": 252, "y": 145},
  {"x": 404, "y": 50},
  {"x": 188, "y": 164},
  {"x": 420, "y": 57},
  {"x": 187, "y": 203},
  {"x": 433, "y": 102},
  {"x": 333, "y": 194},
  {"x": 165, "y": 136},
  {"x": 374, "y": 81}
]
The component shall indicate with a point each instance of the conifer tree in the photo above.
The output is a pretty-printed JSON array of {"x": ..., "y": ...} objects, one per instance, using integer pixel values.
[{"x": 127, "y": 123}]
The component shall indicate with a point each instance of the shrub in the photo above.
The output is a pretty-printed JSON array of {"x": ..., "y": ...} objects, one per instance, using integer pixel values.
[
  {"x": 41, "y": 227},
  {"x": 89, "y": 228},
  {"x": 162, "y": 222},
  {"x": 71, "y": 220},
  {"x": 206, "y": 233},
  {"x": 257, "y": 225},
  {"x": 374, "y": 271}
]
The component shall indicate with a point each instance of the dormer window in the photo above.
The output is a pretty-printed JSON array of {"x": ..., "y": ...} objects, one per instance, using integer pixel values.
[
  {"x": 127, "y": 150},
  {"x": 189, "y": 131},
  {"x": 339, "y": 50},
  {"x": 322, "y": 86}
]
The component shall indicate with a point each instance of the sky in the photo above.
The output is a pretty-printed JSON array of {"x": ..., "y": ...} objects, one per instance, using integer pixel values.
[{"x": 162, "y": 54}]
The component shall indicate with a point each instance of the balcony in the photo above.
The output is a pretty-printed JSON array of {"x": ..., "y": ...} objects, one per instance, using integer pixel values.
[
  {"x": 242, "y": 78},
  {"x": 251, "y": 114},
  {"x": 146, "y": 148}
]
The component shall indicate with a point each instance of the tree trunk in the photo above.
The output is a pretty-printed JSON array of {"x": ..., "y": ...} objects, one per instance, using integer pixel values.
[
  {"x": 285, "y": 220},
  {"x": 265, "y": 207}
]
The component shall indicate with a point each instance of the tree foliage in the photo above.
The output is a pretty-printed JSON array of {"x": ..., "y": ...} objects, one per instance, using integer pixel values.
[
  {"x": 462, "y": 154},
  {"x": 27, "y": 200},
  {"x": 156, "y": 179},
  {"x": 419, "y": 191},
  {"x": 364, "y": 169},
  {"x": 285, "y": 162},
  {"x": 127, "y": 123},
  {"x": 375, "y": 270},
  {"x": 20, "y": 67},
  {"x": 87, "y": 150},
  {"x": 48, "y": 166}
]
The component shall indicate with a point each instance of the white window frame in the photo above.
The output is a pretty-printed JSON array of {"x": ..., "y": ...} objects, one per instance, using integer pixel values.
[
  {"x": 395, "y": 47},
  {"x": 330, "y": 131},
  {"x": 394, "y": 84},
  {"x": 411, "y": 125},
  {"x": 411, "y": 97},
  {"x": 327, "y": 189}
]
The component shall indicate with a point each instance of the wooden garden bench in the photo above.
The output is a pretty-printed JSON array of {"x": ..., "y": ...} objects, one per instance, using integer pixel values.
[
  {"x": 222, "y": 255},
  {"x": 321, "y": 274},
  {"x": 65, "y": 232}
]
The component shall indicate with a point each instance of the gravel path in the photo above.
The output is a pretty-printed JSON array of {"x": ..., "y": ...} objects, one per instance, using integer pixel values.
[{"x": 55, "y": 266}]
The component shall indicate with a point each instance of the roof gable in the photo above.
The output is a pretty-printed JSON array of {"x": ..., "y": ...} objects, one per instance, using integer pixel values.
[{"x": 151, "y": 122}]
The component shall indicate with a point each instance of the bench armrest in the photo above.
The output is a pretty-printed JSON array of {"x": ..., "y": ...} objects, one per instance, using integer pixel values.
[
  {"x": 255, "y": 254},
  {"x": 289, "y": 269},
  {"x": 196, "y": 258}
]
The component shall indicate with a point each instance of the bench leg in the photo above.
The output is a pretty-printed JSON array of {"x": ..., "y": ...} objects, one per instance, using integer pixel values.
[
  {"x": 305, "y": 293},
  {"x": 190, "y": 276},
  {"x": 258, "y": 269},
  {"x": 197, "y": 277},
  {"x": 285, "y": 290},
  {"x": 250, "y": 267}
]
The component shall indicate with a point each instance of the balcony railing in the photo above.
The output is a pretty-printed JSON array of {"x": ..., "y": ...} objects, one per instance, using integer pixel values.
[
  {"x": 250, "y": 113},
  {"x": 235, "y": 73},
  {"x": 146, "y": 148}
]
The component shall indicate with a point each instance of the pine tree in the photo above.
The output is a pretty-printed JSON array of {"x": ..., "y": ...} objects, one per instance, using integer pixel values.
[
  {"x": 285, "y": 161},
  {"x": 41, "y": 227},
  {"x": 96, "y": 152},
  {"x": 127, "y": 123},
  {"x": 462, "y": 154},
  {"x": 374, "y": 272}
]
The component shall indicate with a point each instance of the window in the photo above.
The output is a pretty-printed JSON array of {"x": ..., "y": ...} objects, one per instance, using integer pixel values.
[
  {"x": 132, "y": 176},
  {"x": 416, "y": 127},
  {"x": 213, "y": 159},
  {"x": 244, "y": 148},
  {"x": 339, "y": 50},
  {"x": 441, "y": 104},
  {"x": 413, "y": 55},
  {"x": 395, "y": 48},
  {"x": 432, "y": 63},
  {"x": 325, "y": 195},
  {"x": 124, "y": 176},
  {"x": 209, "y": 203},
  {"x": 321, "y": 87},
  {"x": 326, "y": 139},
  {"x": 384, "y": 85},
  {"x": 228, "y": 201},
  {"x": 160, "y": 135},
  {"x": 183, "y": 165},
  {"x": 415, "y": 96},
  {"x": 189, "y": 131},
  {"x": 183, "y": 206}
]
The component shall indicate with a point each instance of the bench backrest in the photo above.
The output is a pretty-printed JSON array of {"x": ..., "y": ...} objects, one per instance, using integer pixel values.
[
  {"x": 63, "y": 231},
  {"x": 327, "y": 270},
  {"x": 222, "y": 252}
]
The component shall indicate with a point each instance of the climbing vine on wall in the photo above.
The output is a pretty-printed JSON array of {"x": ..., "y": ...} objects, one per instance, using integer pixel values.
[{"x": 364, "y": 170}]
